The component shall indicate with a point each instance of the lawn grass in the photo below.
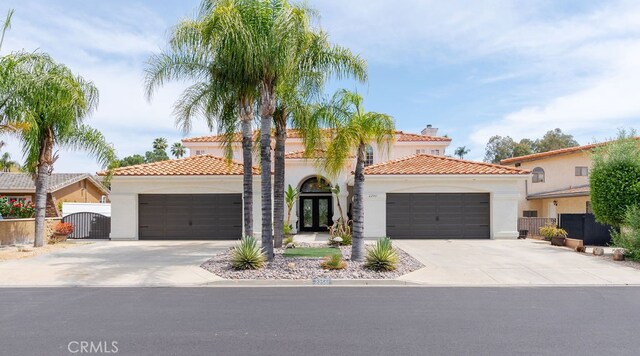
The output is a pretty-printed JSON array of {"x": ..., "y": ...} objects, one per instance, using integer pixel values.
[{"x": 311, "y": 252}]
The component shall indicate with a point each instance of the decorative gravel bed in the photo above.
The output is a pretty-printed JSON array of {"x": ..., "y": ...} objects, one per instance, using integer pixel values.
[
  {"x": 308, "y": 268},
  {"x": 609, "y": 257}
]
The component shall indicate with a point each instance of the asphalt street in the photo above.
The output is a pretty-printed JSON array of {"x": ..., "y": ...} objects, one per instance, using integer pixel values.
[{"x": 320, "y": 321}]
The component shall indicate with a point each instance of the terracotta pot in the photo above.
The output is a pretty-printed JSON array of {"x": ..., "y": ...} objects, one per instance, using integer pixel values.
[
  {"x": 557, "y": 241},
  {"x": 60, "y": 237}
]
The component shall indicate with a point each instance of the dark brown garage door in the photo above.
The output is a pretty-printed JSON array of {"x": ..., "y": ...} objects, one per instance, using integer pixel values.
[
  {"x": 190, "y": 216},
  {"x": 438, "y": 216}
]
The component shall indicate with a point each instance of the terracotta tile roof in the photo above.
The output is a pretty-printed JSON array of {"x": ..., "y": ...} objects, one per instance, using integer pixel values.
[
  {"x": 425, "y": 164},
  {"x": 581, "y": 190},
  {"x": 401, "y": 136},
  {"x": 203, "y": 165},
  {"x": 562, "y": 151},
  {"x": 411, "y": 137},
  {"x": 300, "y": 154}
]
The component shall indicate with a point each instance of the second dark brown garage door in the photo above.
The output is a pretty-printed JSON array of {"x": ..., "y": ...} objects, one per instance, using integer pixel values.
[
  {"x": 438, "y": 216},
  {"x": 190, "y": 216}
]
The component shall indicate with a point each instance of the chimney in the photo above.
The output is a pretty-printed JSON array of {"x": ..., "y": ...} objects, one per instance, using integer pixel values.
[{"x": 429, "y": 131}]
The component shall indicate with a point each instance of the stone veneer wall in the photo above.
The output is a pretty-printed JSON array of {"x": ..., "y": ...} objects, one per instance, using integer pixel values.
[{"x": 21, "y": 231}]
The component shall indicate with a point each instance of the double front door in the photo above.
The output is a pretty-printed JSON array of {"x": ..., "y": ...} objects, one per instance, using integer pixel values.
[{"x": 316, "y": 213}]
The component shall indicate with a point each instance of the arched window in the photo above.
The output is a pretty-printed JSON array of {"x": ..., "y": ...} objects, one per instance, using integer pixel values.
[
  {"x": 368, "y": 156},
  {"x": 538, "y": 175},
  {"x": 315, "y": 185}
]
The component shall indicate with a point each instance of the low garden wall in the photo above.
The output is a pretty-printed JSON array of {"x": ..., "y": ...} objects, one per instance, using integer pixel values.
[{"x": 22, "y": 231}]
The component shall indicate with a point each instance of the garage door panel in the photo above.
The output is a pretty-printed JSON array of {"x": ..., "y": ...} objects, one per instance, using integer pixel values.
[
  {"x": 438, "y": 215},
  {"x": 190, "y": 216}
]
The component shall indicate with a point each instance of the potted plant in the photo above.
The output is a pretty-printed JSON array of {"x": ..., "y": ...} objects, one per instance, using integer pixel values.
[
  {"x": 554, "y": 234},
  {"x": 61, "y": 231}
]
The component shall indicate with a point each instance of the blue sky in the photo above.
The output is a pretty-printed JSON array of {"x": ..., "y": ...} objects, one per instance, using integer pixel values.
[{"x": 471, "y": 68}]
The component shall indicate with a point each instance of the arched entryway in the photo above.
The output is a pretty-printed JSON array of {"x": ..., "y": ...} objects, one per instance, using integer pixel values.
[{"x": 315, "y": 205}]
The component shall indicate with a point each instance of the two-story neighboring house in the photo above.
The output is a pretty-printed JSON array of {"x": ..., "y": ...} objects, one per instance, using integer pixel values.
[
  {"x": 412, "y": 190},
  {"x": 559, "y": 183}
]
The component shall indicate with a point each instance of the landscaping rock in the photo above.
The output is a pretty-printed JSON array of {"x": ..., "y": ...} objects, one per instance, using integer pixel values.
[
  {"x": 618, "y": 255},
  {"x": 308, "y": 268},
  {"x": 581, "y": 249},
  {"x": 598, "y": 251}
]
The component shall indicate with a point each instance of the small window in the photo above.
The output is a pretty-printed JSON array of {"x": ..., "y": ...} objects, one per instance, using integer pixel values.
[
  {"x": 368, "y": 156},
  {"x": 530, "y": 214},
  {"x": 435, "y": 152},
  {"x": 199, "y": 152},
  {"x": 538, "y": 175},
  {"x": 588, "y": 208},
  {"x": 582, "y": 171}
]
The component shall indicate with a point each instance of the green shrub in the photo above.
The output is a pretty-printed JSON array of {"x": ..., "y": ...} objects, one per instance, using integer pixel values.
[
  {"x": 381, "y": 256},
  {"x": 614, "y": 179},
  {"x": 288, "y": 240},
  {"x": 628, "y": 237},
  {"x": 247, "y": 254},
  {"x": 287, "y": 229},
  {"x": 333, "y": 262},
  {"x": 548, "y": 231},
  {"x": 341, "y": 230}
]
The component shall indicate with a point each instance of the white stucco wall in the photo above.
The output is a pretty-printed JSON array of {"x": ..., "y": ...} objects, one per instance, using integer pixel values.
[
  {"x": 125, "y": 191},
  {"x": 504, "y": 194}
]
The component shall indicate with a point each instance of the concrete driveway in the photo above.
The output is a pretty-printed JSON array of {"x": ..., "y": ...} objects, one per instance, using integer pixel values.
[
  {"x": 116, "y": 263},
  {"x": 510, "y": 263},
  {"x": 447, "y": 262}
]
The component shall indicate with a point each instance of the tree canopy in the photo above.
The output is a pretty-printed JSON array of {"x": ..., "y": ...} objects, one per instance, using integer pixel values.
[{"x": 499, "y": 147}]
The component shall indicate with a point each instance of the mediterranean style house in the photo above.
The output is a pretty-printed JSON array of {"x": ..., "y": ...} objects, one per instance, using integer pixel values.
[
  {"x": 559, "y": 183},
  {"x": 412, "y": 190},
  {"x": 63, "y": 187}
]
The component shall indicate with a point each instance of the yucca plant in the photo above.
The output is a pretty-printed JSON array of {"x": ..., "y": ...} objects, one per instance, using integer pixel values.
[
  {"x": 247, "y": 254},
  {"x": 333, "y": 262},
  {"x": 381, "y": 256}
]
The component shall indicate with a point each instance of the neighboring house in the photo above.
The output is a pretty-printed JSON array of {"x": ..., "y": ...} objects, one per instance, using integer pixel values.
[
  {"x": 63, "y": 187},
  {"x": 412, "y": 191},
  {"x": 559, "y": 183}
]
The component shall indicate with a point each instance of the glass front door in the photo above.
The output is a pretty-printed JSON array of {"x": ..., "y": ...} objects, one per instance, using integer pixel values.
[{"x": 316, "y": 213}]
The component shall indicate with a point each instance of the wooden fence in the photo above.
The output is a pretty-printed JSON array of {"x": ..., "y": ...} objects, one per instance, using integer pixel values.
[{"x": 533, "y": 225}]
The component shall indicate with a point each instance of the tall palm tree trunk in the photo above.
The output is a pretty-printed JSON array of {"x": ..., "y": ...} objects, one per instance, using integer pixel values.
[
  {"x": 267, "y": 107},
  {"x": 278, "y": 179},
  {"x": 247, "y": 175},
  {"x": 357, "y": 246},
  {"x": 42, "y": 185}
]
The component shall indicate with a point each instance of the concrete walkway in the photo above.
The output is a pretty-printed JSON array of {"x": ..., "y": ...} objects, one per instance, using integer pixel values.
[
  {"x": 116, "y": 263},
  {"x": 510, "y": 263}
]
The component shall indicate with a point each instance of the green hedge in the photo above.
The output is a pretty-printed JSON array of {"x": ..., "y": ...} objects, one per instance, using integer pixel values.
[{"x": 615, "y": 179}]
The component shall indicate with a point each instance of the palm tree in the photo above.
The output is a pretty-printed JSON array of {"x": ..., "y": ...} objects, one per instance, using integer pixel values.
[
  {"x": 6, "y": 164},
  {"x": 210, "y": 51},
  {"x": 354, "y": 129},
  {"x": 258, "y": 43},
  {"x": 275, "y": 34},
  {"x": 53, "y": 104},
  {"x": 178, "y": 150},
  {"x": 160, "y": 144},
  {"x": 319, "y": 61},
  {"x": 462, "y": 151}
]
